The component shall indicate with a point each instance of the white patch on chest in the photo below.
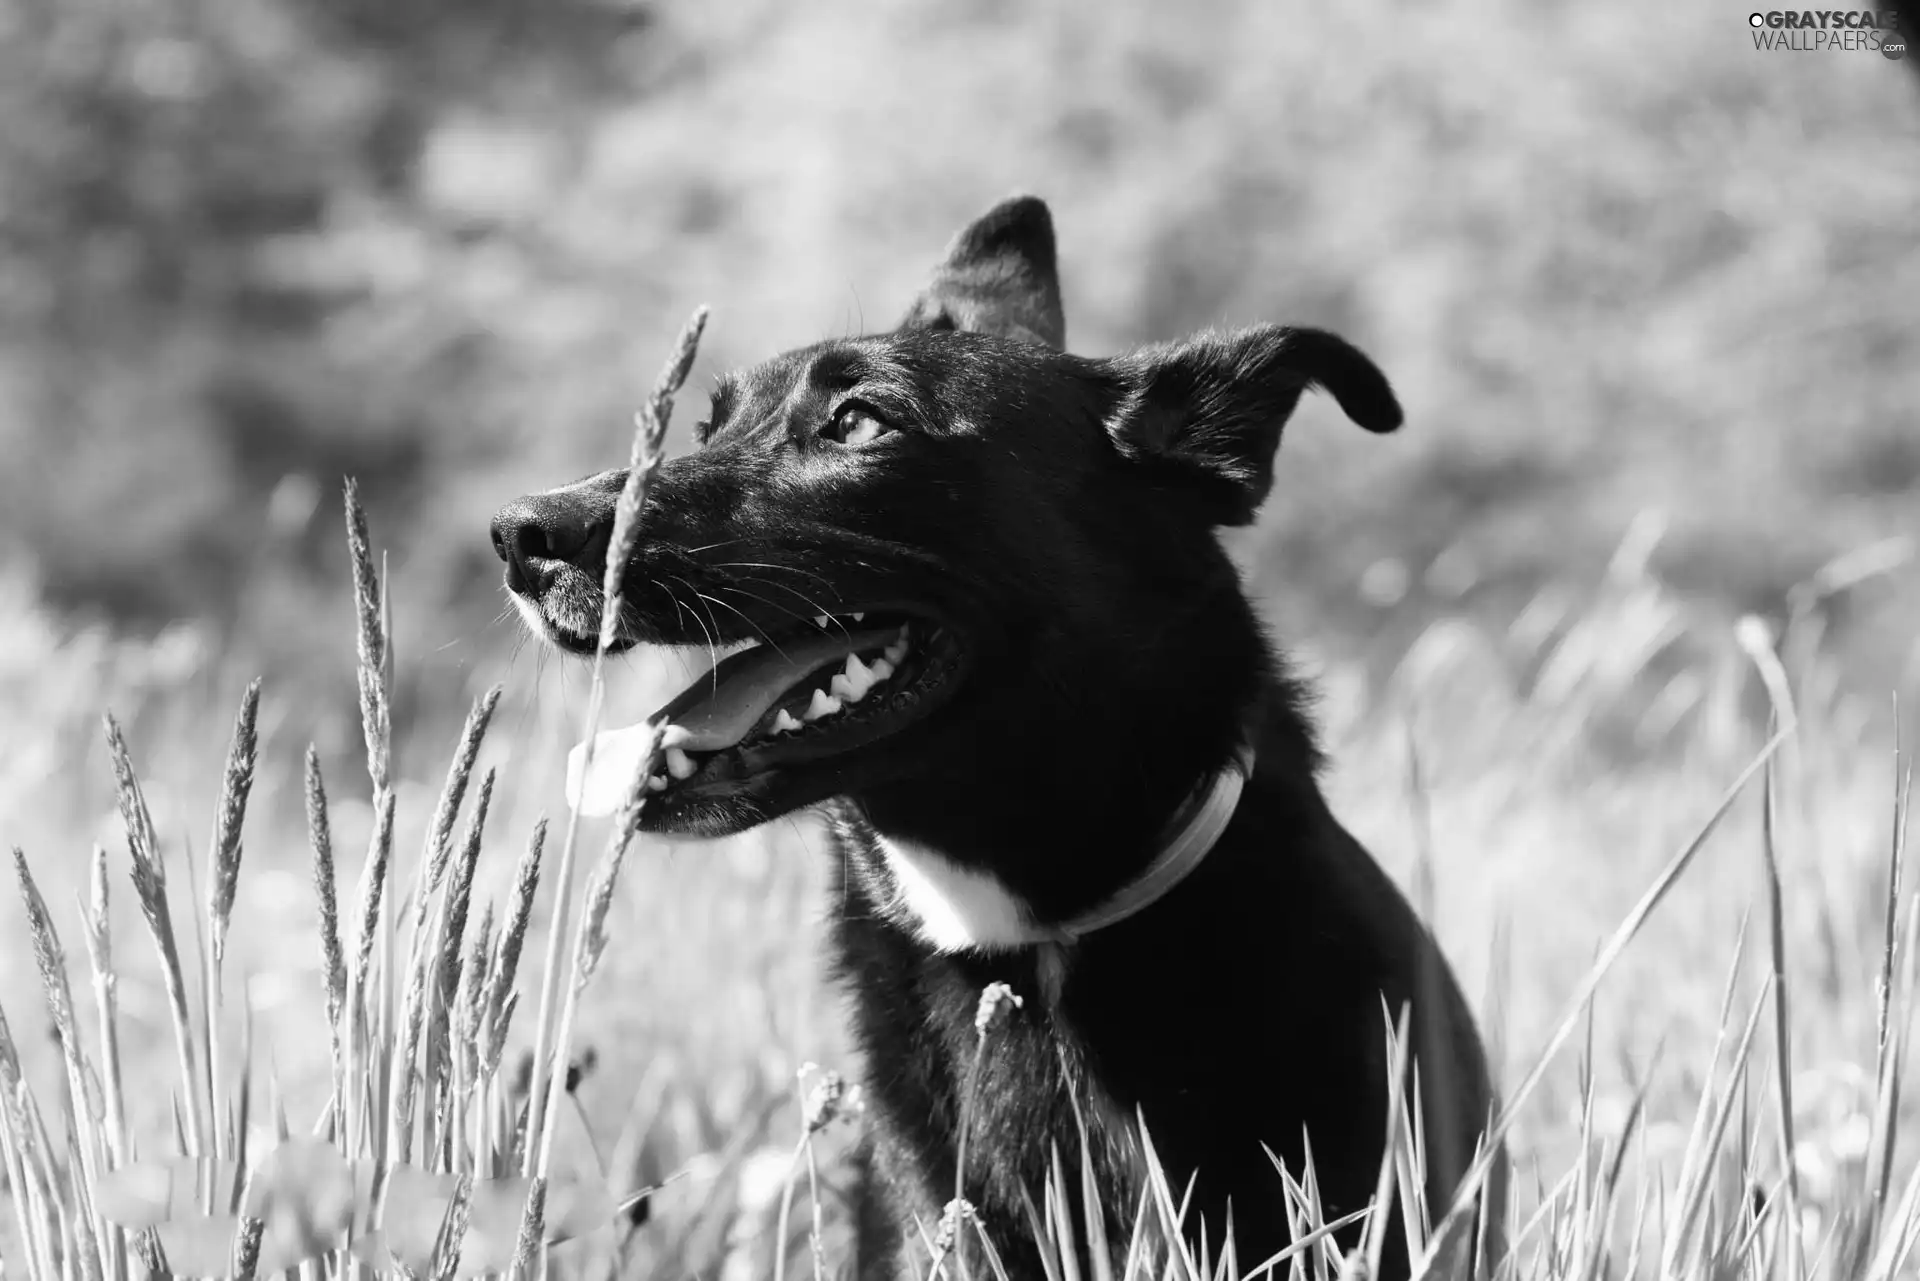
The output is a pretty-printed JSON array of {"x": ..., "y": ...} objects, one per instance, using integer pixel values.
[{"x": 955, "y": 908}]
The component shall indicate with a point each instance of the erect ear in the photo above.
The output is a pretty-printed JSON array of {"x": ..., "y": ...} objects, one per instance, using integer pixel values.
[
  {"x": 1213, "y": 406},
  {"x": 998, "y": 277}
]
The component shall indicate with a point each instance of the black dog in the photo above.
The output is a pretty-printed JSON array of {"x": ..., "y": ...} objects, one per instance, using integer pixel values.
[{"x": 999, "y": 638}]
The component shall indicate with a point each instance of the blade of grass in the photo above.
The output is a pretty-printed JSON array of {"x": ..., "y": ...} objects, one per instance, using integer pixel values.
[
  {"x": 527, "y": 1252},
  {"x": 1180, "y": 1261},
  {"x": 430, "y": 908},
  {"x": 449, "y": 966},
  {"x": 150, "y": 888},
  {"x": 202, "y": 970},
  {"x": 504, "y": 971},
  {"x": 1888, "y": 1082},
  {"x": 51, "y": 961},
  {"x": 1302, "y": 1244},
  {"x": 21, "y": 1192},
  {"x": 374, "y": 677},
  {"x": 1694, "y": 1195},
  {"x": 1697, "y": 1148},
  {"x": 1782, "y": 1023},
  {"x": 12, "y": 1151},
  {"x": 223, "y": 871},
  {"x": 589, "y": 941},
  {"x": 99, "y": 940},
  {"x": 1399, "y": 1047},
  {"x": 333, "y": 965},
  {"x": 362, "y": 1025},
  {"x": 1616, "y": 945},
  {"x": 1896, "y": 862},
  {"x": 648, "y": 452}
]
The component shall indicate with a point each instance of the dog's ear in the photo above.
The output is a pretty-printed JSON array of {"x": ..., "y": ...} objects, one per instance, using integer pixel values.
[
  {"x": 1213, "y": 406},
  {"x": 999, "y": 277}
]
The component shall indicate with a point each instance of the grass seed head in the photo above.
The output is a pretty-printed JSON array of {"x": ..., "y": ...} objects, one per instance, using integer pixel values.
[
  {"x": 231, "y": 817},
  {"x": 823, "y": 1101},
  {"x": 649, "y": 447},
  {"x": 47, "y": 954},
  {"x": 513, "y": 938},
  {"x": 333, "y": 964},
  {"x": 997, "y": 1004},
  {"x": 460, "y": 891},
  {"x": 373, "y": 645},
  {"x": 459, "y": 772},
  {"x": 143, "y": 844}
]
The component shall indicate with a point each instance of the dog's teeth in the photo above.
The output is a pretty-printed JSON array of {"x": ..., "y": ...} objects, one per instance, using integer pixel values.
[
  {"x": 783, "y": 722},
  {"x": 823, "y": 704},
  {"x": 821, "y": 621},
  {"x": 658, "y": 783},
  {"x": 679, "y": 764},
  {"x": 880, "y": 670},
  {"x": 853, "y": 683},
  {"x": 860, "y": 617},
  {"x": 898, "y": 650},
  {"x": 674, "y": 735}
]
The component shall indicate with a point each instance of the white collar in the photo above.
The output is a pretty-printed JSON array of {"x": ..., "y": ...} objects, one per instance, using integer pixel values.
[
  {"x": 1190, "y": 836},
  {"x": 955, "y": 908}
]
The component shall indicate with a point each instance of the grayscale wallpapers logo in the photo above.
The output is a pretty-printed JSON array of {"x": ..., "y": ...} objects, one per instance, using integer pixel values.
[{"x": 1829, "y": 31}]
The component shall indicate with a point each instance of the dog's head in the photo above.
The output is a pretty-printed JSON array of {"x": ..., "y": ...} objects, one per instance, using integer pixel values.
[{"x": 950, "y": 563}]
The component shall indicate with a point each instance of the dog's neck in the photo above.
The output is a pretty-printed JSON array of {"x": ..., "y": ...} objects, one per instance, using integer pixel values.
[
  {"x": 1189, "y": 838},
  {"x": 956, "y": 908}
]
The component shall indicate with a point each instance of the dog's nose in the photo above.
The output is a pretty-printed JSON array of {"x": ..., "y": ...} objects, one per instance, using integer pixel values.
[{"x": 534, "y": 533}]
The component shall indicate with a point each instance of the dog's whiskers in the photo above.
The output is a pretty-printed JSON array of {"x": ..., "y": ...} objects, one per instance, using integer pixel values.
[
  {"x": 672, "y": 599},
  {"x": 814, "y": 608},
  {"x": 755, "y": 564},
  {"x": 758, "y": 630},
  {"x": 713, "y": 645},
  {"x": 785, "y": 611},
  {"x": 532, "y": 705},
  {"x": 725, "y": 542}
]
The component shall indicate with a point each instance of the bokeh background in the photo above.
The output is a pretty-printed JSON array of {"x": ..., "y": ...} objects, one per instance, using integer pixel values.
[{"x": 1647, "y": 293}]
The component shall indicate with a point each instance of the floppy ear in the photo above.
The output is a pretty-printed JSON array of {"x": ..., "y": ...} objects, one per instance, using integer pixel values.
[
  {"x": 999, "y": 278},
  {"x": 1214, "y": 406}
]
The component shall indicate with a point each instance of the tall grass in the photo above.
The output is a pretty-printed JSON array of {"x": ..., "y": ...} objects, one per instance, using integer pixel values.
[
  {"x": 432, "y": 1157},
  {"x": 426, "y": 1160}
]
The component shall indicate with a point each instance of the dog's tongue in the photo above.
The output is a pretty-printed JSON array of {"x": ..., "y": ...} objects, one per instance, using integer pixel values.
[
  {"x": 713, "y": 713},
  {"x": 617, "y": 757}
]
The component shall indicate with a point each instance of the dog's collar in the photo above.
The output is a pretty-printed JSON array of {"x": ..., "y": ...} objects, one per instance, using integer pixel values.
[{"x": 1191, "y": 835}]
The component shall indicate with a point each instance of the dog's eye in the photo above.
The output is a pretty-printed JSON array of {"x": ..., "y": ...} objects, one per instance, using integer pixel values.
[{"x": 855, "y": 424}]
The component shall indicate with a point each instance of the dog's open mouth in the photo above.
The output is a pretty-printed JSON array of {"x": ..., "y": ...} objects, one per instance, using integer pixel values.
[{"x": 799, "y": 695}]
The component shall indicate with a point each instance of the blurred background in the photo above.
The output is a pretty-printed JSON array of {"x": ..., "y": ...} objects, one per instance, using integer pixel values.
[
  {"x": 1614, "y": 261},
  {"x": 1646, "y": 292}
]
